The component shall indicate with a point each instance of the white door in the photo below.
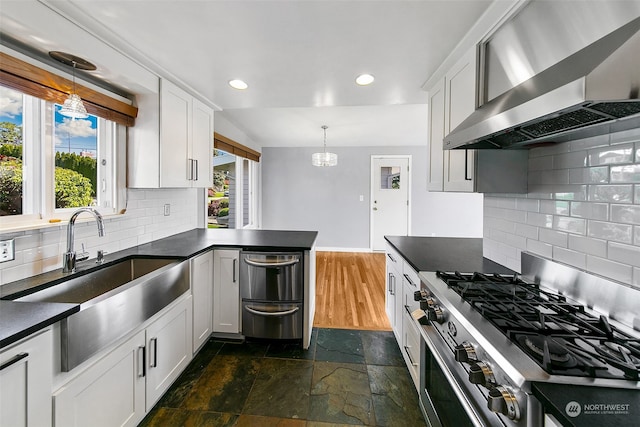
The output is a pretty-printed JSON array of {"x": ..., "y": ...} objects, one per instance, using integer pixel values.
[{"x": 389, "y": 198}]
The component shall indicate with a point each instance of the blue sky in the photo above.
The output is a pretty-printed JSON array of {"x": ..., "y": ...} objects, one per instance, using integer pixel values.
[{"x": 70, "y": 135}]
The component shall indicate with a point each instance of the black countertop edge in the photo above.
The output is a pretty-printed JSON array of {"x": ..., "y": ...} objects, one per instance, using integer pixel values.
[
  {"x": 21, "y": 319},
  {"x": 589, "y": 406},
  {"x": 463, "y": 254},
  {"x": 18, "y": 322}
]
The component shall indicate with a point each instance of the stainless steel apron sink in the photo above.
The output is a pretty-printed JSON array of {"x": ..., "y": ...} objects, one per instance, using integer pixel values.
[{"x": 114, "y": 300}]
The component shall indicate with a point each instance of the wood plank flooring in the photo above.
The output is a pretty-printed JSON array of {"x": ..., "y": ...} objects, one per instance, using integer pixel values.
[{"x": 350, "y": 291}]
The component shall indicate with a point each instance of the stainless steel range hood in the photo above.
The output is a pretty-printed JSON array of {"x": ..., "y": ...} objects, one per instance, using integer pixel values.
[{"x": 593, "y": 91}]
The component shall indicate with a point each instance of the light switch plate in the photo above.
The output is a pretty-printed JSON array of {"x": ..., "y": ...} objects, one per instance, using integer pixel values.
[
  {"x": 167, "y": 209},
  {"x": 7, "y": 250}
]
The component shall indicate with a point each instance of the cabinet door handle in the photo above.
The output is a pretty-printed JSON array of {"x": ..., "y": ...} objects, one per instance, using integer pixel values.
[
  {"x": 141, "y": 358},
  {"x": 466, "y": 165},
  {"x": 196, "y": 168},
  {"x": 153, "y": 352},
  {"x": 406, "y": 349},
  {"x": 391, "y": 258},
  {"x": 389, "y": 281},
  {"x": 406, "y": 276},
  {"x": 15, "y": 359},
  {"x": 235, "y": 262}
]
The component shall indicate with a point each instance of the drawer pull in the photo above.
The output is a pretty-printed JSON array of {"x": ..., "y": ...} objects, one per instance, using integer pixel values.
[
  {"x": 271, "y": 313},
  {"x": 406, "y": 349},
  {"x": 15, "y": 359},
  {"x": 406, "y": 276}
]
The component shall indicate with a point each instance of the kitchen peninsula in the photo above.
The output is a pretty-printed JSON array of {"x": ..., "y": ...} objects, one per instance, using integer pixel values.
[{"x": 129, "y": 365}]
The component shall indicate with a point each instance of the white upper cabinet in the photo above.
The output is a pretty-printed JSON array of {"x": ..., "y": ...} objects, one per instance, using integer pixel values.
[
  {"x": 171, "y": 145},
  {"x": 460, "y": 103},
  {"x": 451, "y": 100}
]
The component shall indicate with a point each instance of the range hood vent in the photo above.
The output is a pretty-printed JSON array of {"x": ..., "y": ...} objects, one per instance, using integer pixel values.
[{"x": 592, "y": 92}]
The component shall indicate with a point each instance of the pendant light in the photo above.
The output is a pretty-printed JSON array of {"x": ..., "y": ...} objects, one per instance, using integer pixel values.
[
  {"x": 73, "y": 106},
  {"x": 324, "y": 158}
]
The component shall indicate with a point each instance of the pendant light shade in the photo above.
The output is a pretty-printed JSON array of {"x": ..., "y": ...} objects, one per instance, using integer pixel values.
[
  {"x": 324, "y": 158},
  {"x": 73, "y": 106}
]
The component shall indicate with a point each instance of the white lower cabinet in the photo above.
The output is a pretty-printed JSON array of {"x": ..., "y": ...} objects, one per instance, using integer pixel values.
[
  {"x": 226, "y": 291},
  {"x": 25, "y": 382},
  {"x": 202, "y": 291},
  {"x": 110, "y": 393},
  {"x": 402, "y": 282},
  {"x": 121, "y": 387}
]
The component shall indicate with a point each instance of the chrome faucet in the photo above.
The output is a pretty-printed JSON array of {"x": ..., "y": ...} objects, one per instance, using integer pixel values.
[{"x": 69, "y": 258}]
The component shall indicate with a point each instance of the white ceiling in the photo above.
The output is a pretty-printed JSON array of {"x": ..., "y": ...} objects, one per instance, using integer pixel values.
[{"x": 300, "y": 59}]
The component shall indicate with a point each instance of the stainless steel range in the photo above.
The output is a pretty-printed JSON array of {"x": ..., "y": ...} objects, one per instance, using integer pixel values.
[{"x": 488, "y": 338}]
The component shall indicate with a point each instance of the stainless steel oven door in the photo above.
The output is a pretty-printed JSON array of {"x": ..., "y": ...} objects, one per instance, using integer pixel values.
[
  {"x": 446, "y": 396},
  {"x": 272, "y": 320},
  {"x": 271, "y": 276}
]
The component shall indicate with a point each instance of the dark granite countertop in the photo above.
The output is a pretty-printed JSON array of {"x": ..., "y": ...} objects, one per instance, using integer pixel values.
[
  {"x": 446, "y": 254},
  {"x": 20, "y": 319},
  {"x": 590, "y": 406},
  {"x": 180, "y": 246}
]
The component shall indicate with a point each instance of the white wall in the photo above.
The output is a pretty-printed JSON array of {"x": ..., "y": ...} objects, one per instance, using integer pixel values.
[
  {"x": 299, "y": 196},
  {"x": 582, "y": 209},
  {"x": 38, "y": 251}
]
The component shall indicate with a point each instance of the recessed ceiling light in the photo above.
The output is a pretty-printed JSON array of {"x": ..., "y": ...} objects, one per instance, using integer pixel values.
[
  {"x": 364, "y": 79},
  {"x": 238, "y": 84}
]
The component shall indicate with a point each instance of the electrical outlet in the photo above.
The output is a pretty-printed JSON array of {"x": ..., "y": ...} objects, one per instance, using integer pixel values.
[
  {"x": 7, "y": 250},
  {"x": 167, "y": 209}
]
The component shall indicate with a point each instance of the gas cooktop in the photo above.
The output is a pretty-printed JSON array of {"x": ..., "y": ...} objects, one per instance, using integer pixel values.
[{"x": 560, "y": 335}]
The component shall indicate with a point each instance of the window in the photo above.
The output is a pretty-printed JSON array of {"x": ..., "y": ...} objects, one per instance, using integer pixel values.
[
  {"x": 231, "y": 201},
  {"x": 390, "y": 178},
  {"x": 50, "y": 164}
]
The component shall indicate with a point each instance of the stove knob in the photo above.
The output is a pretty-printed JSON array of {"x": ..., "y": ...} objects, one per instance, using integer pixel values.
[
  {"x": 427, "y": 303},
  {"x": 417, "y": 296},
  {"x": 480, "y": 373},
  {"x": 502, "y": 400},
  {"x": 434, "y": 313},
  {"x": 465, "y": 353}
]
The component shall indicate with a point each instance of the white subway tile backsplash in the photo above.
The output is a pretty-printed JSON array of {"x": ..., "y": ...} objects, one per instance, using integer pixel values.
[
  {"x": 540, "y": 248},
  {"x": 529, "y": 205},
  {"x": 607, "y": 268},
  {"x": 626, "y": 173},
  {"x": 628, "y": 214},
  {"x": 595, "y": 141},
  {"x": 583, "y": 208},
  {"x": 611, "y": 155},
  {"x": 594, "y": 175},
  {"x": 540, "y": 220},
  {"x": 553, "y": 237},
  {"x": 588, "y": 245},
  {"x": 569, "y": 224},
  {"x": 38, "y": 251},
  {"x": 626, "y": 254},
  {"x": 576, "y": 159},
  {"x": 599, "y": 211},
  {"x": 567, "y": 256},
  {"x": 557, "y": 207},
  {"x": 611, "y": 193},
  {"x": 610, "y": 231}
]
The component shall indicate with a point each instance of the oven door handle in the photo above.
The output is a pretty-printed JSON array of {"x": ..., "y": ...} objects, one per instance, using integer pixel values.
[
  {"x": 256, "y": 263},
  {"x": 451, "y": 379},
  {"x": 253, "y": 310}
]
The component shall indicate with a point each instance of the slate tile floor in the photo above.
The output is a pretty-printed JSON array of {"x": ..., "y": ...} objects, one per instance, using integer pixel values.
[{"x": 347, "y": 377}]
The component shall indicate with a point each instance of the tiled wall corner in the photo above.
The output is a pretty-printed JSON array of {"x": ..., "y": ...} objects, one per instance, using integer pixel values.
[
  {"x": 39, "y": 251},
  {"x": 582, "y": 208}
]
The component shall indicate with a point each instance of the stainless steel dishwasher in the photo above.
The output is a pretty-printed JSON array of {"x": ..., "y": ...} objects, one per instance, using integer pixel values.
[{"x": 272, "y": 291}]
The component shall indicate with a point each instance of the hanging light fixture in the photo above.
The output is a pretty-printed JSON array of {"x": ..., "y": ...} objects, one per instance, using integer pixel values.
[
  {"x": 73, "y": 106},
  {"x": 324, "y": 158}
]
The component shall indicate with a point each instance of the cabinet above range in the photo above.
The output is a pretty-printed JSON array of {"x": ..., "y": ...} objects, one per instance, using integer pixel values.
[{"x": 171, "y": 145}]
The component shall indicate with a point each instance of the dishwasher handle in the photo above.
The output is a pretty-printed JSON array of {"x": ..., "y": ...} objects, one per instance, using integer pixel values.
[
  {"x": 271, "y": 313},
  {"x": 294, "y": 260}
]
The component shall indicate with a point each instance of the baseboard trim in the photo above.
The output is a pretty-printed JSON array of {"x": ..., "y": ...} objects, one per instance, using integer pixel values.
[{"x": 332, "y": 249}]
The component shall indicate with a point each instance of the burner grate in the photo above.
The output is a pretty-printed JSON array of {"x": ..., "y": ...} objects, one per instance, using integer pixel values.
[{"x": 558, "y": 334}]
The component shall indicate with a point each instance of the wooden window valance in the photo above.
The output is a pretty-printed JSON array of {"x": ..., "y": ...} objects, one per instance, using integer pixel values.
[
  {"x": 34, "y": 81},
  {"x": 230, "y": 146}
]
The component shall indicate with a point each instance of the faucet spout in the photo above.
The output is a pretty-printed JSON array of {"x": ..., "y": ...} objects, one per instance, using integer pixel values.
[{"x": 69, "y": 257}]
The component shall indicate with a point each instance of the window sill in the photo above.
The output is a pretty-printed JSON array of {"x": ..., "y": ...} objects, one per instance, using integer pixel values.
[{"x": 41, "y": 224}]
